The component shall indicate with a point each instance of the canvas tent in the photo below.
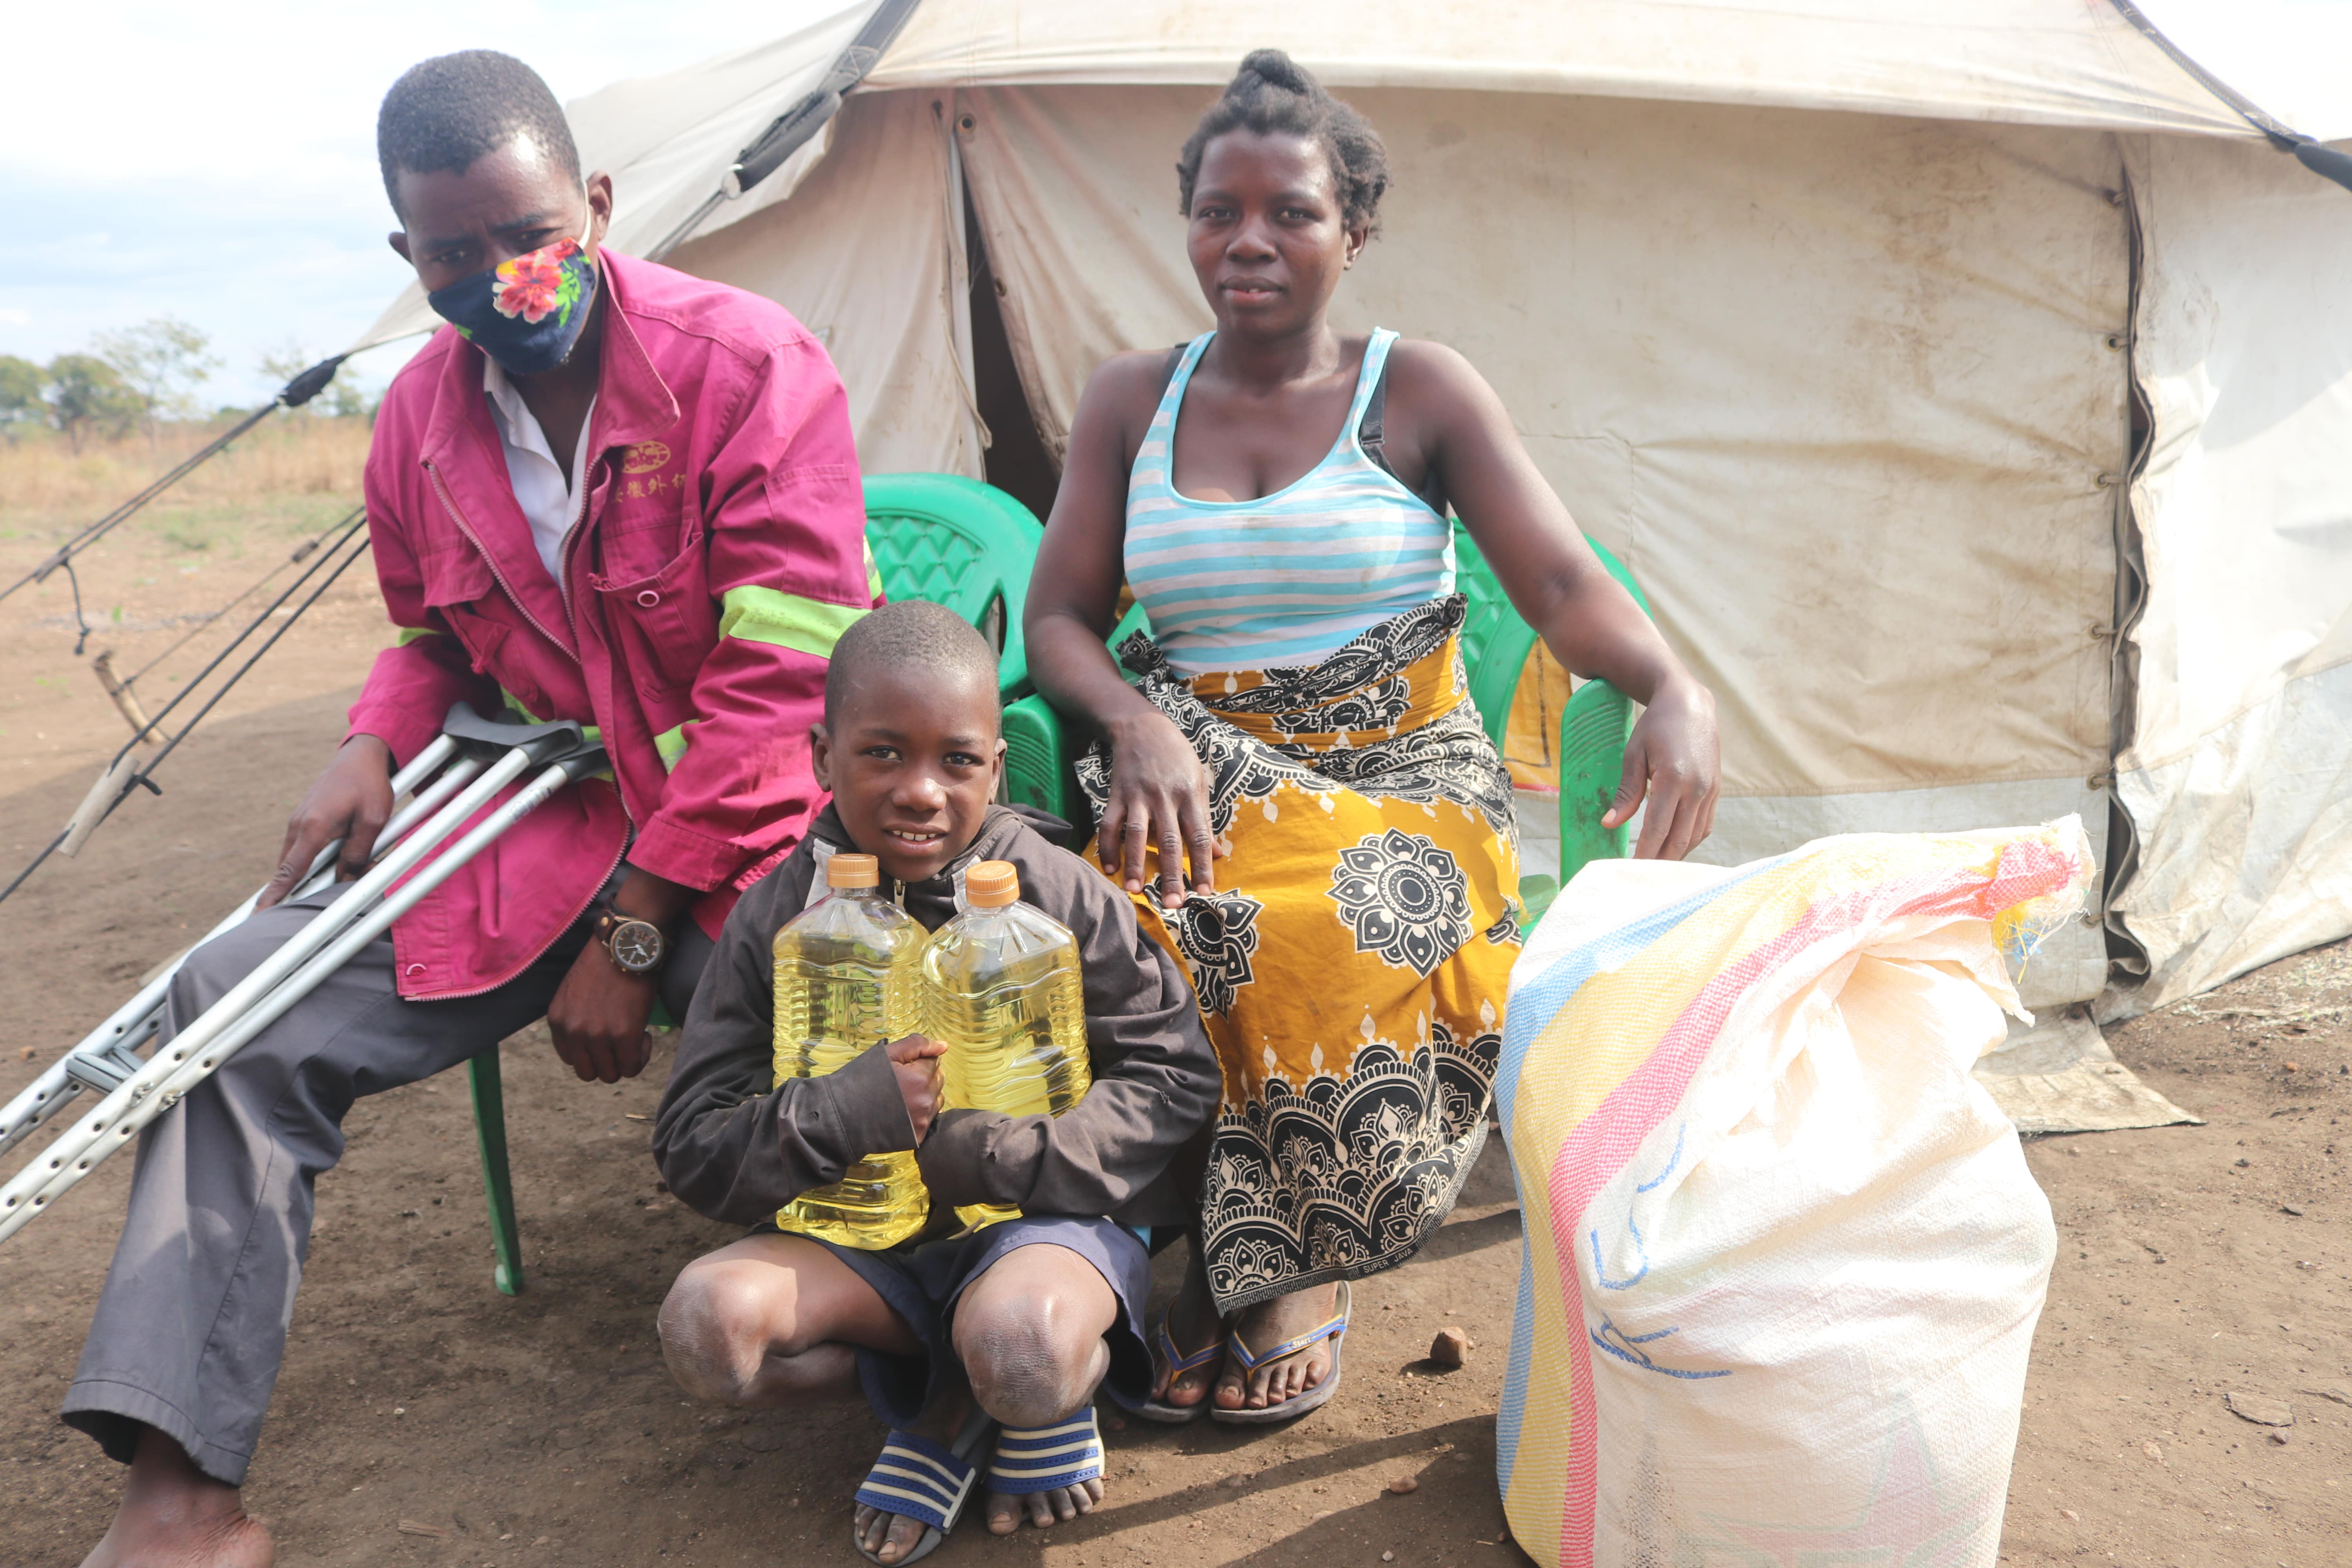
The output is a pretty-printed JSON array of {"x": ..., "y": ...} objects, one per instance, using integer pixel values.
[{"x": 1968, "y": 386}]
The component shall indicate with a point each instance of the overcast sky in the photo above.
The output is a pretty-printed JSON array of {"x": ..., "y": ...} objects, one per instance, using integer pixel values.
[{"x": 216, "y": 163}]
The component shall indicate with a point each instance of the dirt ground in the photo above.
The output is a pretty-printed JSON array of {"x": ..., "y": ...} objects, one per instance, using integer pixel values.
[{"x": 424, "y": 1418}]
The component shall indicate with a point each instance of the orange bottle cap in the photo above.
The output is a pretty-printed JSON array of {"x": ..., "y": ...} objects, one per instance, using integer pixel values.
[
  {"x": 853, "y": 871},
  {"x": 992, "y": 885}
]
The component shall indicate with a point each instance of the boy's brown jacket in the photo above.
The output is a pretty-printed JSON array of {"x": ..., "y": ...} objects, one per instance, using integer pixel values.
[{"x": 736, "y": 1145}]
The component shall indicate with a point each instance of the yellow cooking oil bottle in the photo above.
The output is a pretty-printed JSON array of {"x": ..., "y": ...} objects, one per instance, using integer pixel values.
[
  {"x": 1001, "y": 992},
  {"x": 849, "y": 974}
]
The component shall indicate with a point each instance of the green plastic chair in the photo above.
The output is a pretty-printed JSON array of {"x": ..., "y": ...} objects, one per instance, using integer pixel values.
[
  {"x": 940, "y": 537},
  {"x": 959, "y": 542},
  {"x": 1593, "y": 730},
  {"x": 497, "y": 1185},
  {"x": 1040, "y": 752}
]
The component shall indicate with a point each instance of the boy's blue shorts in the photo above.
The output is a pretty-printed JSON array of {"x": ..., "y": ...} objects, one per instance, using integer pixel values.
[{"x": 923, "y": 1281}]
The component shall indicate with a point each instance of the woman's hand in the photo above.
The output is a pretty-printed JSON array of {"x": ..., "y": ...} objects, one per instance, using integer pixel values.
[
  {"x": 1672, "y": 756},
  {"x": 1159, "y": 795}
]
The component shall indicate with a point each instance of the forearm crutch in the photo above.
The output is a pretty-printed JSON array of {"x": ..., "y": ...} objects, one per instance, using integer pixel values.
[
  {"x": 109, "y": 1054},
  {"x": 562, "y": 755}
]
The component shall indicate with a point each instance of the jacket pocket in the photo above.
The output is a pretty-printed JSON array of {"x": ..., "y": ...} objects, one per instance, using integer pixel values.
[
  {"x": 459, "y": 583},
  {"x": 662, "y": 626}
]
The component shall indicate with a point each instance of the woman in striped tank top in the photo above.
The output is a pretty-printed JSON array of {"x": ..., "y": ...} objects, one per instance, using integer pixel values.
[{"x": 1300, "y": 712}]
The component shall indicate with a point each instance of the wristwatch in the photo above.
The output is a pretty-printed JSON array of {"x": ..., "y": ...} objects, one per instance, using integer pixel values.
[{"x": 636, "y": 947}]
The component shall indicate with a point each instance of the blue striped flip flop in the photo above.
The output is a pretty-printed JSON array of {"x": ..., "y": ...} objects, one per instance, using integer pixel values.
[
  {"x": 1178, "y": 1364},
  {"x": 916, "y": 1479},
  {"x": 1042, "y": 1459},
  {"x": 1314, "y": 1398}
]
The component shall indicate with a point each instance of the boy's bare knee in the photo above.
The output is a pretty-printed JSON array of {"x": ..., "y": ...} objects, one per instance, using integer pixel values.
[
  {"x": 1029, "y": 1361},
  {"x": 718, "y": 1325}
]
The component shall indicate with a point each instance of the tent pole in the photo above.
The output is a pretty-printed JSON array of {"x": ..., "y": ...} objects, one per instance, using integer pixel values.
[
  {"x": 791, "y": 130},
  {"x": 2312, "y": 154}
]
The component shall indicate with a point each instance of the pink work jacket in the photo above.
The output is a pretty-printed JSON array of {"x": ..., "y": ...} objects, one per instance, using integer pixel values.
[{"x": 721, "y": 555}]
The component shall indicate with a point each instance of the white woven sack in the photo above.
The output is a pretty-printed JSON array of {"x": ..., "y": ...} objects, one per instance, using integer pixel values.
[{"x": 1811, "y": 1292}]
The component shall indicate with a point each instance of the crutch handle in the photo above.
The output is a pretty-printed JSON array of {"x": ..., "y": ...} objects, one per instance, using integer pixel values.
[
  {"x": 542, "y": 744},
  {"x": 584, "y": 764}
]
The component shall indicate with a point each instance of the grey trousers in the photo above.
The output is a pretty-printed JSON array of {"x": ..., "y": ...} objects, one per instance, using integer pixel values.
[{"x": 191, "y": 1326}]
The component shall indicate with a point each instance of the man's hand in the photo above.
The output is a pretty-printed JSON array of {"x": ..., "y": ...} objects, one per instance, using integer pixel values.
[
  {"x": 350, "y": 801},
  {"x": 598, "y": 1017},
  {"x": 916, "y": 1061}
]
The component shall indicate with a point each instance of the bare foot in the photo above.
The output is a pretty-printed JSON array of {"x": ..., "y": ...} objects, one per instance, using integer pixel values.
[
  {"x": 1268, "y": 1324},
  {"x": 175, "y": 1516},
  {"x": 890, "y": 1536},
  {"x": 1043, "y": 1508},
  {"x": 1192, "y": 1324}
]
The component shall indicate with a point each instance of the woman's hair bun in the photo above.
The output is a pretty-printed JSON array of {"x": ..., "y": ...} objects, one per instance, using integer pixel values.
[
  {"x": 1274, "y": 93},
  {"x": 1276, "y": 70}
]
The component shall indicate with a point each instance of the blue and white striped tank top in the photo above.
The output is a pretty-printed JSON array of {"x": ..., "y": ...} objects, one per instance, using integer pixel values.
[{"x": 1287, "y": 579}]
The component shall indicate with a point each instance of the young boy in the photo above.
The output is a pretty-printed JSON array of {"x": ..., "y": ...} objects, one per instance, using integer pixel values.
[{"x": 1015, "y": 1324}]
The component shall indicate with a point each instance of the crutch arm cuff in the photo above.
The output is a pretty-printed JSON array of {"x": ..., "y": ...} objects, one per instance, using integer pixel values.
[{"x": 545, "y": 742}]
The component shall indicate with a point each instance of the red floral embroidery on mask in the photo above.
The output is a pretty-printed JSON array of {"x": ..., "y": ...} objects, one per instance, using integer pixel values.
[{"x": 535, "y": 285}]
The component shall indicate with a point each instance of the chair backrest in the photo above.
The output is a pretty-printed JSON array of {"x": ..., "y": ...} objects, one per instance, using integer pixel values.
[
  {"x": 1496, "y": 642},
  {"x": 959, "y": 542}
]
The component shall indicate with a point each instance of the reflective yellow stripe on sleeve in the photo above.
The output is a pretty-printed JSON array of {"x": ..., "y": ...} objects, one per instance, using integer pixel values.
[
  {"x": 410, "y": 634},
  {"x": 672, "y": 745},
  {"x": 873, "y": 575},
  {"x": 785, "y": 620}
]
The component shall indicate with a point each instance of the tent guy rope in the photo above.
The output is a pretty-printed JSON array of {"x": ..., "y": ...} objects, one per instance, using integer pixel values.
[{"x": 129, "y": 770}]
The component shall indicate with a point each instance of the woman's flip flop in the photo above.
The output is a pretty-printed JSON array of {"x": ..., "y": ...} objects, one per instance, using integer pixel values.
[
  {"x": 1031, "y": 1459},
  {"x": 1314, "y": 1398},
  {"x": 1159, "y": 1410},
  {"x": 916, "y": 1479}
]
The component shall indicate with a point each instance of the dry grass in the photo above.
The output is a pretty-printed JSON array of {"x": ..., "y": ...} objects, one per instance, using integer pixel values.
[
  {"x": 45, "y": 486},
  {"x": 288, "y": 478}
]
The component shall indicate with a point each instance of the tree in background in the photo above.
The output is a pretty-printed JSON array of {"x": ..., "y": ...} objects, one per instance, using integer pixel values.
[
  {"x": 21, "y": 403},
  {"x": 161, "y": 362},
  {"x": 88, "y": 396},
  {"x": 339, "y": 399}
]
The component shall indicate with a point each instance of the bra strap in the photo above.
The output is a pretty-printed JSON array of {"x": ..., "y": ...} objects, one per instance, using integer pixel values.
[{"x": 1371, "y": 434}]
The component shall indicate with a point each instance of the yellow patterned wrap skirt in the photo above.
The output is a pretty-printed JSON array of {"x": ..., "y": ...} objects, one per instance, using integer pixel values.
[{"x": 1352, "y": 963}]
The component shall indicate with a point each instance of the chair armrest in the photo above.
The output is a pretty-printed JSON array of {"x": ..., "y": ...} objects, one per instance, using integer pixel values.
[
  {"x": 1038, "y": 757},
  {"x": 1593, "y": 734}
]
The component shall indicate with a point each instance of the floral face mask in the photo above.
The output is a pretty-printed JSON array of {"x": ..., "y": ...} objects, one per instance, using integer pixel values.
[{"x": 525, "y": 313}]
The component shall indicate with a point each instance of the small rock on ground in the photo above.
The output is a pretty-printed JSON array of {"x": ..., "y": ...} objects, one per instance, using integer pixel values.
[
  {"x": 2258, "y": 1408},
  {"x": 1449, "y": 1347}
]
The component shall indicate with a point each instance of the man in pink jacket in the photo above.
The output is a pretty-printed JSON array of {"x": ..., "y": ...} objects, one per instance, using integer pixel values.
[{"x": 606, "y": 492}]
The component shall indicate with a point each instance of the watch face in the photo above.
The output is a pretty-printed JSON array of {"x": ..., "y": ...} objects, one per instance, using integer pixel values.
[{"x": 636, "y": 945}]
